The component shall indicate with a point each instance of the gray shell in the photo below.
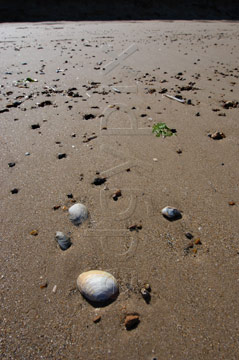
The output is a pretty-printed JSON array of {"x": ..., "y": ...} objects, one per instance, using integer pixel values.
[
  {"x": 171, "y": 213},
  {"x": 78, "y": 213},
  {"x": 63, "y": 240}
]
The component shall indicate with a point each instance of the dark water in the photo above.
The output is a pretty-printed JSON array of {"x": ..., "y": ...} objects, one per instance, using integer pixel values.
[{"x": 56, "y": 10}]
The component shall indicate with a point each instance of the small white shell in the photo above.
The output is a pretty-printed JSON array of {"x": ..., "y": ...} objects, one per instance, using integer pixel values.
[
  {"x": 97, "y": 285},
  {"x": 171, "y": 213},
  {"x": 78, "y": 213}
]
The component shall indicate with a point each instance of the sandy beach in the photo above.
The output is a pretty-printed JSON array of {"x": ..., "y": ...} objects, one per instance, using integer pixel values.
[{"x": 78, "y": 101}]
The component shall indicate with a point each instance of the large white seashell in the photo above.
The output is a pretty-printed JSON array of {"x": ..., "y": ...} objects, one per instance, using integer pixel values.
[
  {"x": 78, "y": 213},
  {"x": 97, "y": 285},
  {"x": 171, "y": 213}
]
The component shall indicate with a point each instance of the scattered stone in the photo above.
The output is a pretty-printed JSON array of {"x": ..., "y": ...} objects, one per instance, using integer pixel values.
[
  {"x": 35, "y": 126},
  {"x": 3, "y": 110},
  {"x": 231, "y": 203},
  {"x": 88, "y": 116},
  {"x": 189, "y": 236},
  {"x": 197, "y": 114},
  {"x": 61, "y": 156},
  {"x": 197, "y": 241},
  {"x": 146, "y": 295},
  {"x": 131, "y": 321},
  {"x": 14, "y": 191},
  {"x": 45, "y": 103},
  {"x": 56, "y": 207},
  {"x": 70, "y": 196},
  {"x": 34, "y": 232},
  {"x": 54, "y": 289},
  {"x": 217, "y": 135},
  {"x": 179, "y": 151},
  {"x": 27, "y": 153},
  {"x": 14, "y": 104},
  {"x": 116, "y": 195},
  {"x": 90, "y": 138},
  {"x": 44, "y": 285},
  {"x": 97, "y": 319},
  {"x": 189, "y": 246},
  {"x": 11, "y": 164},
  {"x": 135, "y": 227},
  {"x": 230, "y": 104},
  {"x": 98, "y": 181}
]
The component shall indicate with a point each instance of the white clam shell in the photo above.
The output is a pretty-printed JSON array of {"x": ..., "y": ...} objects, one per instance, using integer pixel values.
[
  {"x": 97, "y": 285},
  {"x": 171, "y": 213},
  {"x": 78, "y": 213}
]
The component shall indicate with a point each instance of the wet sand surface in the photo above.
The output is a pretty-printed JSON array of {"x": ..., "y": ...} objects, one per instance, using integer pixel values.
[{"x": 102, "y": 121}]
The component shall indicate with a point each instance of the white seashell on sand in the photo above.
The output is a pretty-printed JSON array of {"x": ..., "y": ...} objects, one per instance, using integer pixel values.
[
  {"x": 78, "y": 213},
  {"x": 171, "y": 213},
  {"x": 97, "y": 285}
]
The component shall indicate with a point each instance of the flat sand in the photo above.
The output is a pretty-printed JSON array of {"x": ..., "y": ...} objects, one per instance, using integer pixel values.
[{"x": 119, "y": 73}]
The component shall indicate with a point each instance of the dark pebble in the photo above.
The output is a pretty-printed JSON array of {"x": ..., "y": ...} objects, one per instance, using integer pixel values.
[
  {"x": 44, "y": 103},
  {"x": 11, "y": 164},
  {"x": 88, "y": 116},
  {"x": 61, "y": 156},
  {"x": 35, "y": 126},
  {"x": 189, "y": 236},
  {"x": 14, "y": 191},
  {"x": 70, "y": 196},
  {"x": 99, "y": 181}
]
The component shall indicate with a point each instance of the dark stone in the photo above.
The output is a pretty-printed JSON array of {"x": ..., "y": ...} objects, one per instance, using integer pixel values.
[
  {"x": 14, "y": 191},
  {"x": 88, "y": 116},
  {"x": 45, "y": 103},
  {"x": 61, "y": 155},
  {"x": 35, "y": 126},
  {"x": 99, "y": 181},
  {"x": 189, "y": 236},
  {"x": 11, "y": 164}
]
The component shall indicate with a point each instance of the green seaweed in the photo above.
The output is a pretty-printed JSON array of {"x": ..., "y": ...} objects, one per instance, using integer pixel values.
[{"x": 161, "y": 129}]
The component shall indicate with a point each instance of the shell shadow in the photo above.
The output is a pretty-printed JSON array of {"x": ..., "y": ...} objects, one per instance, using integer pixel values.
[
  {"x": 102, "y": 304},
  {"x": 175, "y": 218}
]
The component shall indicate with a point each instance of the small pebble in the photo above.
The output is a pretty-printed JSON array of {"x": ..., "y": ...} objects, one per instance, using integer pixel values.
[
  {"x": 35, "y": 126},
  {"x": 99, "y": 181},
  {"x": 27, "y": 153},
  {"x": 11, "y": 164},
  {"x": 131, "y": 321},
  {"x": 14, "y": 191},
  {"x": 197, "y": 241},
  {"x": 231, "y": 203},
  {"x": 189, "y": 236},
  {"x": 61, "y": 156},
  {"x": 97, "y": 319},
  {"x": 54, "y": 289},
  {"x": 146, "y": 295},
  {"x": 34, "y": 233}
]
